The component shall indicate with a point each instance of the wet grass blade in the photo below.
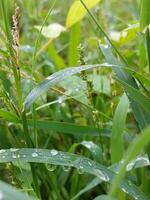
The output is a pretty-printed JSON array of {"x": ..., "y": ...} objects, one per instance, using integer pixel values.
[
  {"x": 67, "y": 159},
  {"x": 10, "y": 193},
  {"x": 54, "y": 79},
  {"x": 137, "y": 96},
  {"x": 73, "y": 45},
  {"x": 139, "y": 162},
  {"x": 69, "y": 128},
  {"x": 117, "y": 142},
  {"x": 140, "y": 142},
  {"x": 141, "y": 116}
]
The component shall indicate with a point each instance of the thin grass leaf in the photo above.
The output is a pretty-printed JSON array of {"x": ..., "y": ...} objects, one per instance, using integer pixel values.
[
  {"x": 77, "y": 11},
  {"x": 54, "y": 79},
  {"x": 67, "y": 159},
  {"x": 10, "y": 193},
  {"x": 96, "y": 181},
  {"x": 144, "y": 23},
  {"x": 141, "y": 116},
  {"x": 104, "y": 197},
  {"x": 8, "y": 116},
  {"x": 145, "y": 14},
  {"x": 140, "y": 142},
  {"x": 117, "y": 142},
  {"x": 137, "y": 96},
  {"x": 139, "y": 162},
  {"x": 73, "y": 54},
  {"x": 69, "y": 128}
]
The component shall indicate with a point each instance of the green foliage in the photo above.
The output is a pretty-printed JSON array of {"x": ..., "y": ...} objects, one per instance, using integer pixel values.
[{"x": 74, "y": 100}]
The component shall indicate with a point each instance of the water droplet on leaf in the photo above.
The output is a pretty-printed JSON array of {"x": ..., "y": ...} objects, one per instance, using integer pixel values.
[{"x": 51, "y": 167}]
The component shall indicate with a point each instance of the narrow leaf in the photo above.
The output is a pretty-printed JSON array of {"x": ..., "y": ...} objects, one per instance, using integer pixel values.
[
  {"x": 10, "y": 193},
  {"x": 117, "y": 142},
  {"x": 137, "y": 96},
  {"x": 67, "y": 159},
  {"x": 138, "y": 144},
  {"x": 77, "y": 11}
]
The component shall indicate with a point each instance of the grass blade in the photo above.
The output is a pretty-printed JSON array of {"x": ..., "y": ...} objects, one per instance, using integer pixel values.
[
  {"x": 54, "y": 79},
  {"x": 67, "y": 159},
  {"x": 141, "y": 116},
  {"x": 140, "y": 161},
  {"x": 117, "y": 142},
  {"x": 135, "y": 148},
  {"x": 137, "y": 96},
  {"x": 10, "y": 193}
]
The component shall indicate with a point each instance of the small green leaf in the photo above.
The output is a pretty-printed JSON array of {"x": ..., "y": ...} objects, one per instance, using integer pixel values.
[{"x": 77, "y": 11}]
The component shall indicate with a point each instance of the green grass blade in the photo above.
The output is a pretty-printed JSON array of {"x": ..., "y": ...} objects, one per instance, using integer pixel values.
[
  {"x": 96, "y": 181},
  {"x": 54, "y": 79},
  {"x": 135, "y": 148},
  {"x": 8, "y": 116},
  {"x": 117, "y": 142},
  {"x": 141, "y": 116},
  {"x": 69, "y": 128},
  {"x": 73, "y": 44},
  {"x": 144, "y": 23},
  {"x": 140, "y": 161},
  {"x": 145, "y": 14},
  {"x": 67, "y": 159},
  {"x": 104, "y": 197},
  {"x": 10, "y": 193},
  {"x": 137, "y": 96}
]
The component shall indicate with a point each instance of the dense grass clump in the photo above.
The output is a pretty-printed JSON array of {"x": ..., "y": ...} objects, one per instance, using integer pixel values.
[{"x": 74, "y": 100}]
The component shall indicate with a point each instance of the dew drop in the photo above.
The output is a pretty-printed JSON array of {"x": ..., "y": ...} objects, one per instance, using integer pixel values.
[
  {"x": 54, "y": 152},
  {"x": 89, "y": 163},
  {"x": 106, "y": 46},
  {"x": 130, "y": 166},
  {"x": 80, "y": 170},
  {"x": 101, "y": 175},
  {"x": 66, "y": 168},
  {"x": 34, "y": 154},
  {"x": 14, "y": 156},
  {"x": 13, "y": 149},
  {"x": 77, "y": 89},
  {"x": 60, "y": 100},
  {"x": 2, "y": 150},
  {"x": 51, "y": 167}
]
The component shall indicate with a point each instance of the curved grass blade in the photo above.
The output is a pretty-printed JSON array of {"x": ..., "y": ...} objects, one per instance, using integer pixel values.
[
  {"x": 117, "y": 142},
  {"x": 104, "y": 197},
  {"x": 67, "y": 159},
  {"x": 140, "y": 142},
  {"x": 54, "y": 79},
  {"x": 137, "y": 96},
  {"x": 10, "y": 193},
  {"x": 8, "y": 116},
  {"x": 77, "y": 11},
  {"x": 141, "y": 116},
  {"x": 69, "y": 128},
  {"x": 139, "y": 162}
]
